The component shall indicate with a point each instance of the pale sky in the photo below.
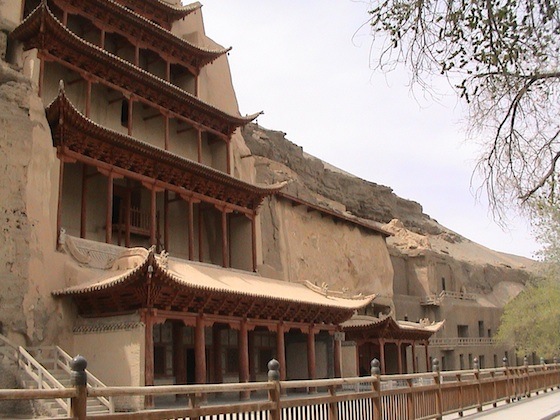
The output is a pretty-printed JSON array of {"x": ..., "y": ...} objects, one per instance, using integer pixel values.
[{"x": 307, "y": 65}]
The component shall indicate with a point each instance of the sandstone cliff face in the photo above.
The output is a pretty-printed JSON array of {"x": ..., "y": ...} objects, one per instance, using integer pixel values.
[
  {"x": 28, "y": 190},
  {"x": 424, "y": 254}
]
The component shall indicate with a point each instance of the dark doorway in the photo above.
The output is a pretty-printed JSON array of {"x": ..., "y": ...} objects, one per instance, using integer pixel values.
[{"x": 191, "y": 363}]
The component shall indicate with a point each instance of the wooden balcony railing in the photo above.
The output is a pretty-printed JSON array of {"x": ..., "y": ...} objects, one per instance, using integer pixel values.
[
  {"x": 436, "y": 300},
  {"x": 375, "y": 397},
  {"x": 461, "y": 341}
]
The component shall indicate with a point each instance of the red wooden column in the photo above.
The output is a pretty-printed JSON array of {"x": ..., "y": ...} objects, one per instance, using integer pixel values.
[
  {"x": 337, "y": 354},
  {"x": 399, "y": 355},
  {"x": 251, "y": 341},
  {"x": 109, "y": 209},
  {"x": 64, "y": 18},
  {"x": 382, "y": 355},
  {"x": 243, "y": 348},
  {"x": 200, "y": 350},
  {"x": 311, "y": 362},
  {"x": 148, "y": 321},
  {"x": 83, "y": 202},
  {"x": 200, "y": 236},
  {"x": 166, "y": 127},
  {"x": 281, "y": 350},
  {"x": 217, "y": 354}
]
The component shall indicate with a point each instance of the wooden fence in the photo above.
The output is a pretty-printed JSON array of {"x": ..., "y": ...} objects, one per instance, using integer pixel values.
[{"x": 376, "y": 397}]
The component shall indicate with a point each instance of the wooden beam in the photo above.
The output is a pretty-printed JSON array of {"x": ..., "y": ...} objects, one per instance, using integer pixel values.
[
  {"x": 200, "y": 351},
  {"x": 281, "y": 350}
]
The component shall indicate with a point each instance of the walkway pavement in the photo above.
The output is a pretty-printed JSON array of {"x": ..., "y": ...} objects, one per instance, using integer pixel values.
[{"x": 545, "y": 406}]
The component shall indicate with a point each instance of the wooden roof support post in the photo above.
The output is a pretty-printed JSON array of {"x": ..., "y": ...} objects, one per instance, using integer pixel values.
[
  {"x": 109, "y": 209},
  {"x": 65, "y": 18},
  {"x": 148, "y": 320},
  {"x": 382, "y": 354},
  {"x": 200, "y": 350},
  {"x": 83, "y": 203},
  {"x": 311, "y": 361},
  {"x": 337, "y": 354},
  {"x": 281, "y": 350},
  {"x": 243, "y": 348}
]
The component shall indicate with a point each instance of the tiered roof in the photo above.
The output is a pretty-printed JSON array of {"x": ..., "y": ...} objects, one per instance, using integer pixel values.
[
  {"x": 112, "y": 16},
  {"x": 42, "y": 30},
  {"x": 364, "y": 328},
  {"x": 140, "y": 279},
  {"x": 84, "y": 140},
  {"x": 160, "y": 11}
]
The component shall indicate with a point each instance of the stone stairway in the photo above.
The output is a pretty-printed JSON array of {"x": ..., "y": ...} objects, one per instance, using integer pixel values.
[{"x": 47, "y": 368}]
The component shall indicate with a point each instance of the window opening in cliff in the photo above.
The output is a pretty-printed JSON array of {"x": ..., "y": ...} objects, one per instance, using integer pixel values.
[
  {"x": 461, "y": 361},
  {"x": 481, "y": 328},
  {"x": 462, "y": 331},
  {"x": 443, "y": 283}
]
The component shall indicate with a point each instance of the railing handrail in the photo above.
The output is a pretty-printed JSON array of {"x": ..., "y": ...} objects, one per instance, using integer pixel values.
[
  {"x": 63, "y": 360},
  {"x": 514, "y": 382},
  {"x": 460, "y": 341},
  {"x": 437, "y": 298},
  {"x": 43, "y": 377}
]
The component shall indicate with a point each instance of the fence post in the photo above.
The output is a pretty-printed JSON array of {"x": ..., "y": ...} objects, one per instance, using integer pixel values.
[
  {"x": 479, "y": 385},
  {"x": 527, "y": 385},
  {"x": 506, "y": 372},
  {"x": 274, "y": 393},
  {"x": 555, "y": 360},
  {"x": 376, "y": 386},
  {"x": 439, "y": 396},
  {"x": 78, "y": 377}
]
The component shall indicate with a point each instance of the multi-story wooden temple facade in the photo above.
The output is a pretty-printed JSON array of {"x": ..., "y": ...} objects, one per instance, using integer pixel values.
[{"x": 162, "y": 256}]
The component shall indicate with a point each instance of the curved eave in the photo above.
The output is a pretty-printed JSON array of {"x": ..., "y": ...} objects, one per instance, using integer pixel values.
[
  {"x": 42, "y": 30},
  {"x": 133, "y": 25},
  {"x": 164, "y": 13},
  {"x": 65, "y": 120},
  {"x": 365, "y": 327},
  {"x": 163, "y": 289}
]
